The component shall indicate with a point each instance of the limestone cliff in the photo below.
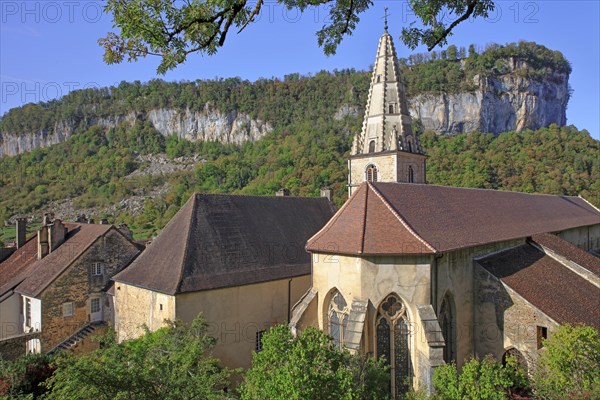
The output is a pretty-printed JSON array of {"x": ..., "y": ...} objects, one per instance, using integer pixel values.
[
  {"x": 208, "y": 124},
  {"x": 508, "y": 102}
]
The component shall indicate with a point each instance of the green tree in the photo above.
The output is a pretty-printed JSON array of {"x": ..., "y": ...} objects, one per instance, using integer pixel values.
[
  {"x": 170, "y": 363},
  {"x": 485, "y": 379},
  {"x": 23, "y": 377},
  {"x": 452, "y": 52},
  {"x": 569, "y": 364},
  {"x": 172, "y": 30},
  {"x": 311, "y": 367}
]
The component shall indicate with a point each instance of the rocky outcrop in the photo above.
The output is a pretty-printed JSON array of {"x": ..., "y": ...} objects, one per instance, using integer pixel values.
[
  {"x": 208, "y": 124},
  {"x": 507, "y": 102}
]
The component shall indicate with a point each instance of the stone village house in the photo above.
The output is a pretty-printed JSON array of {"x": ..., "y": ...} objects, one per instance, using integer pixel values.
[
  {"x": 53, "y": 288},
  {"x": 420, "y": 274}
]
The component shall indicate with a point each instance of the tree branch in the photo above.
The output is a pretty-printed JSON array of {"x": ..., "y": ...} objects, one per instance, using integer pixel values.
[{"x": 466, "y": 15}]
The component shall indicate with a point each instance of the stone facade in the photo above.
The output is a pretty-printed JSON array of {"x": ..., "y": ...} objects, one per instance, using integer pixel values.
[
  {"x": 234, "y": 315},
  {"x": 78, "y": 285}
]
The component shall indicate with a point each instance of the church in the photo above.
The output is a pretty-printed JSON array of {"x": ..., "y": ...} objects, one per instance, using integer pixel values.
[{"x": 419, "y": 274}]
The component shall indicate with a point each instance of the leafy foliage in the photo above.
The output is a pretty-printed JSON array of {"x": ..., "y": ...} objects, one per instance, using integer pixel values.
[
  {"x": 170, "y": 363},
  {"x": 22, "y": 378},
  {"x": 311, "y": 367},
  {"x": 173, "y": 30},
  {"x": 569, "y": 365},
  {"x": 485, "y": 379}
]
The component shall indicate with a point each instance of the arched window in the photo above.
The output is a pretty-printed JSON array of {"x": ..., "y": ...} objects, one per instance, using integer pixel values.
[
  {"x": 391, "y": 108},
  {"x": 448, "y": 326},
  {"x": 338, "y": 318},
  {"x": 372, "y": 173},
  {"x": 372, "y": 146},
  {"x": 393, "y": 338},
  {"x": 512, "y": 352},
  {"x": 378, "y": 78},
  {"x": 410, "y": 174},
  {"x": 410, "y": 146}
]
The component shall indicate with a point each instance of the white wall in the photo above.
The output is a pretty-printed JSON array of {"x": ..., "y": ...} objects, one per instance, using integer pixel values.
[{"x": 10, "y": 316}]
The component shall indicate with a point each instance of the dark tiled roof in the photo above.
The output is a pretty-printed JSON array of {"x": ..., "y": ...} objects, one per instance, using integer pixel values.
[
  {"x": 16, "y": 268},
  {"x": 43, "y": 272},
  {"x": 218, "y": 241},
  {"x": 397, "y": 218},
  {"x": 569, "y": 251},
  {"x": 550, "y": 286}
]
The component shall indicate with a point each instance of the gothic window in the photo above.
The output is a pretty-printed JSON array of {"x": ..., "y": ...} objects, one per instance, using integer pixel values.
[
  {"x": 447, "y": 324},
  {"x": 372, "y": 173},
  {"x": 512, "y": 352},
  {"x": 393, "y": 337},
  {"x": 372, "y": 146},
  {"x": 391, "y": 108},
  {"x": 338, "y": 318},
  {"x": 410, "y": 146},
  {"x": 410, "y": 174}
]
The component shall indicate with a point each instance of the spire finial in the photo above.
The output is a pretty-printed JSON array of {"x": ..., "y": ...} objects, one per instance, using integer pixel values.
[{"x": 385, "y": 17}]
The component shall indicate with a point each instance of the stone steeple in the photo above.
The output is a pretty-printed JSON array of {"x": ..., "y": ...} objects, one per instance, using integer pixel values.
[
  {"x": 387, "y": 124},
  {"x": 386, "y": 149}
]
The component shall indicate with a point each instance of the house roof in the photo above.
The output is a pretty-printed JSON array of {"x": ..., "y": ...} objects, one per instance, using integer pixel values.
[
  {"x": 15, "y": 268},
  {"x": 547, "y": 284},
  {"x": 568, "y": 250},
  {"x": 31, "y": 276},
  {"x": 218, "y": 241},
  {"x": 399, "y": 218}
]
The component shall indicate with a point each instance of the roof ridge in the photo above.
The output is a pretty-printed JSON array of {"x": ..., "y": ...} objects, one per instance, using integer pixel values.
[
  {"x": 399, "y": 217},
  {"x": 329, "y": 223},
  {"x": 482, "y": 189},
  {"x": 194, "y": 200},
  {"x": 587, "y": 201}
]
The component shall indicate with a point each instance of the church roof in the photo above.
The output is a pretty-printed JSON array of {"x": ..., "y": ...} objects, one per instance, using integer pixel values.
[
  {"x": 398, "y": 218},
  {"x": 561, "y": 247},
  {"x": 547, "y": 284},
  {"x": 218, "y": 241}
]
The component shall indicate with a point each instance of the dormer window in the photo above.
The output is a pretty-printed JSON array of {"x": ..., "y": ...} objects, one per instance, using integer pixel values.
[{"x": 371, "y": 173}]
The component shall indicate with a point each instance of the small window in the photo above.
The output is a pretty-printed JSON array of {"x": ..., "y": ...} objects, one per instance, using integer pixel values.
[
  {"x": 372, "y": 146},
  {"x": 378, "y": 78},
  {"x": 542, "y": 333},
  {"x": 410, "y": 174},
  {"x": 28, "y": 312},
  {"x": 97, "y": 269},
  {"x": 391, "y": 108},
  {"x": 160, "y": 306},
  {"x": 372, "y": 173},
  {"x": 67, "y": 309},
  {"x": 95, "y": 305},
  {"x": 259, "y": 336}
]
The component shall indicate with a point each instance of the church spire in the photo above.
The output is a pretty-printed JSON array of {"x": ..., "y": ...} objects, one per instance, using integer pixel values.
[
  {"x": 386, "y": 149},
  {"x": 387, "y": 124}
]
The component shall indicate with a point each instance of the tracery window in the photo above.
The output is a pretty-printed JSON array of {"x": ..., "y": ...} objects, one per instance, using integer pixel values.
[
  {"x": 447, "y": 324},
  {"x": 372, "y": 173},
  {"x": 393, "y": 338},
  {"x": 338, "y": 318}
]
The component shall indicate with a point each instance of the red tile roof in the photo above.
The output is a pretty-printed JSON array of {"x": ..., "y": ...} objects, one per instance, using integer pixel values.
[
  {"x": 218, "y": 241},
  {"x": 396, "y": 218},
  {"x": 553, "y": 288},
  {"x": 569, "y": 251}
]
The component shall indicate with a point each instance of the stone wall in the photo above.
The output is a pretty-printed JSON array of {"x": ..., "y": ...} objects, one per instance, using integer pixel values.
[
  {"x": 77, "y": 284},
  {"x": 16, "y": 346}
]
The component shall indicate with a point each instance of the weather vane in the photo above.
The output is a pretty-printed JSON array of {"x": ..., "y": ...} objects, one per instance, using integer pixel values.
[{"x": 385, "y": 17}]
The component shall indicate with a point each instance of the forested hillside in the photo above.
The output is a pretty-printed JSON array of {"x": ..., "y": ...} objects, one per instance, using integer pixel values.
[{"x": 102, "y": 168}]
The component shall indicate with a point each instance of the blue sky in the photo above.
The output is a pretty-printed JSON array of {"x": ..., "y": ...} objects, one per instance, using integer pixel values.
[{"x": 50, "y": 47}]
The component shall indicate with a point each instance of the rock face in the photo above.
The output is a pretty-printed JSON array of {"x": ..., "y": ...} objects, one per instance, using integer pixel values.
[
  {"x": 208, "y": 124},
  {"x": 510, "y": 102}
]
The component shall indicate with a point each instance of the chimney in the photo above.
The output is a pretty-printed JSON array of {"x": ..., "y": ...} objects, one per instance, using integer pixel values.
[
  {"x": 282, "y": 192},
  {"x": 43, "y": 245},
  {"x": 126, "y": 231},
  {"x": 51, "y": 235},
  {"x": 327, "y": 193},
  {"x": 48, "y": 218},
  {"x": 21, "y": 236}
]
